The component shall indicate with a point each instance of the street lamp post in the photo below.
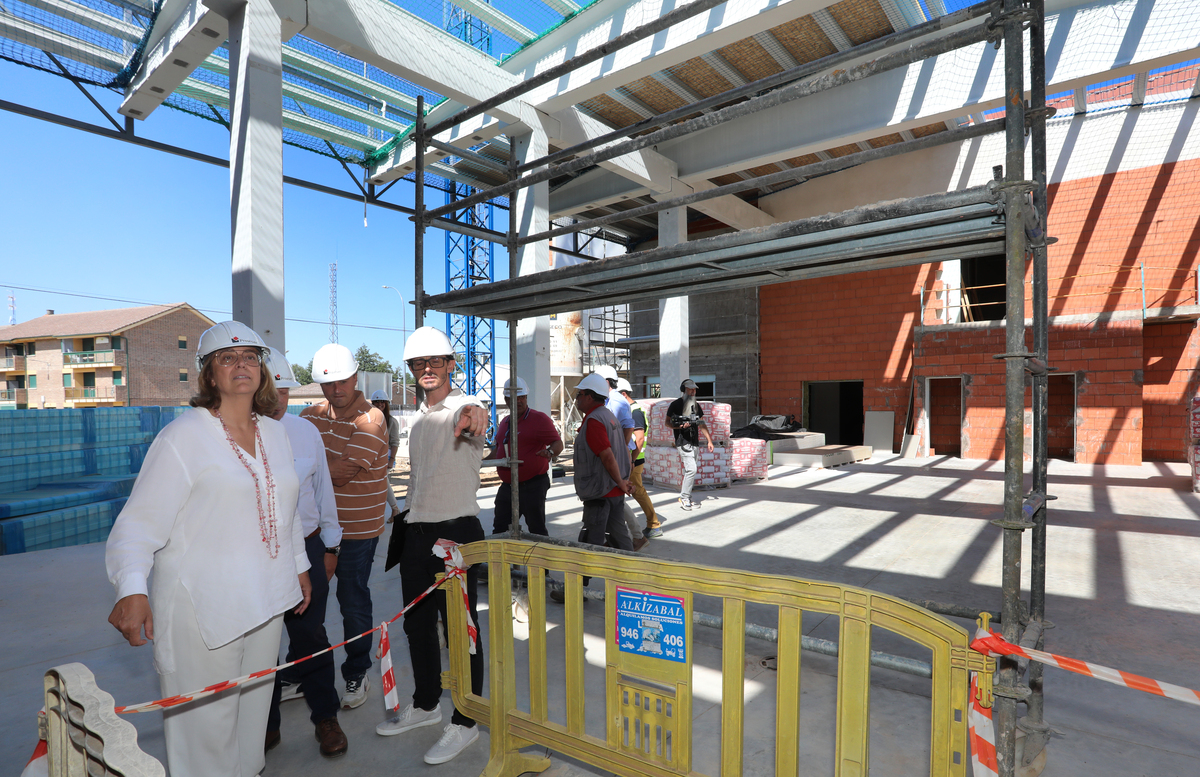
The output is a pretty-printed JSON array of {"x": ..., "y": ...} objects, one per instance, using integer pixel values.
[{"x": 403, "y": 336}]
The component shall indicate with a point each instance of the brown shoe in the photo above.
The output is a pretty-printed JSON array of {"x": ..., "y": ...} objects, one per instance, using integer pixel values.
[
  {"x": 332, "y": 739},
  {"x": 272, "y": 741},
  {"x": 640, "y": 543}
]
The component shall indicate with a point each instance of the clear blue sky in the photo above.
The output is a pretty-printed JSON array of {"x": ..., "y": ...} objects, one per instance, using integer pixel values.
[{"x": 89, "y": 215}]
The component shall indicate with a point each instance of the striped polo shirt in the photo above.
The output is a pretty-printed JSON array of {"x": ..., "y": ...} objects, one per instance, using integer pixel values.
[{"x": 359, "y": 435}]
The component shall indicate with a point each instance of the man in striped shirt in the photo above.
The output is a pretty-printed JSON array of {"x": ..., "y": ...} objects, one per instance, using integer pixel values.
[{"x": 356, "y": 446}]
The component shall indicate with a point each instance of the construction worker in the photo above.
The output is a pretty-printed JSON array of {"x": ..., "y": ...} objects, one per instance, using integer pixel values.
[
  {"x": 445, "y": 447},
  {"x": 601, "y": 466},
  {"x": 620, "y": 408},
  {"x": 686, "y": 417},
  {"x": 537, "y": 445},
  {"x": 641, "y": 431},
  {"x": 316, "y": 509},
  {"x": 355, "y": 437},
  {"x": 381, "y": 401}
]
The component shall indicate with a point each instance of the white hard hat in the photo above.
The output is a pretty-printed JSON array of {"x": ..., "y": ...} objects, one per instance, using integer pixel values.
[
  {"x": 380, "y": 394},
  {"x": 227, "y": 334},
  {"x": 427, "y": 341},
  {"x": 594, "y": 382},
  {"x": 606, "y": 372},
  {"x": 522, "y": 389},
  {"x": 333, "y": 362},
  {"x": 623, "y": 385},
  {"x": 277, "y": 365}
]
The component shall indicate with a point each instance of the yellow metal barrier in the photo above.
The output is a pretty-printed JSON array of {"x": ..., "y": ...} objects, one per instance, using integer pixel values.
[{"x": 648, "y": 637}]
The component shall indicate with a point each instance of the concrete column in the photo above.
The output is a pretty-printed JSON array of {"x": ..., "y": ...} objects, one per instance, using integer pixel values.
[
  {"x": 256, "y": 168},
  {"x": 673, "y": 325},
  {"x": 531, "y": 209}
]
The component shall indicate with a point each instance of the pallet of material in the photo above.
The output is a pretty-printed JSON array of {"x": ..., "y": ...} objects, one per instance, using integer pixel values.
[{"x": 824, "y": 456}]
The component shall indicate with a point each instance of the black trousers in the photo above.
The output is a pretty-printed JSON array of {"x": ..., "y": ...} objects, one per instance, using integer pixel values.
[
  {"x": 306, "y": 633},
  {"x": 418, "y": 570},
  {"x": 533, "y": 504}
]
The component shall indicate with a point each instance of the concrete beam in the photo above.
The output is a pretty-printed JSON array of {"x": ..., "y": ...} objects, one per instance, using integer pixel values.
[
  {"x": 530, "y": 208},
  {"x": 58, "y": 44},
  {"x": 256, "y": 169},
  {"x": 925, "y": 93},
  {"x": 400, "y": 43},
  {"x": 705, "y": 32},
  {"x": 185, "y": 41}
]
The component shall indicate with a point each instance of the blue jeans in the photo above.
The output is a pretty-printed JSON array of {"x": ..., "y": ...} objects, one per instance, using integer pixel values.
[{"x": 354, "y": 598}]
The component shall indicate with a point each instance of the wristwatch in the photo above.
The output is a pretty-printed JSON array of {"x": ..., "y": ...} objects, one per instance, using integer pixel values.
[{"x": 335, "y": 552}]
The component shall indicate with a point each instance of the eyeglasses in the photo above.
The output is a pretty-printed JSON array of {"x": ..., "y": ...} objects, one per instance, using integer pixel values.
[
  {"x": 436, "y": 362},
  {"x": 245, "y": 358}
]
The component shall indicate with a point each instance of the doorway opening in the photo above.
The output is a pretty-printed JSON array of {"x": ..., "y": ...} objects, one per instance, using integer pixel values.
[
  {"x": 943, "y": 404},
  {"x": 1060, "y": 421},
  {"x": 835, "y": 409}
]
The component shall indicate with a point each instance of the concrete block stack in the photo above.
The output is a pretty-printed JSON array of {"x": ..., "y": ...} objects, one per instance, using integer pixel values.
[
  {"x": 747, "y": 459},
  {"x": 662, "y": 461},
  {"x": 1194, "y": 442},
  {"x": 712, "y": 468}
]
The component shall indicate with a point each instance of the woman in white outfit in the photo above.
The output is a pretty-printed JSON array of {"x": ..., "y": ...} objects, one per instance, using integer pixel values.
[{"x": 212, "y": 514}]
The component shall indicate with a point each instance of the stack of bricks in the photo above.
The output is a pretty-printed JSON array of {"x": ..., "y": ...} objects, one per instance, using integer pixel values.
[
  {"x": 662, "y": 460},
  {"x": 1194, "y": 445}
]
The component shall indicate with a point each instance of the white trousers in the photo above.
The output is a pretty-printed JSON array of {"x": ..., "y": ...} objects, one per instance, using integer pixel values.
[{"x": 221, "y": 735}]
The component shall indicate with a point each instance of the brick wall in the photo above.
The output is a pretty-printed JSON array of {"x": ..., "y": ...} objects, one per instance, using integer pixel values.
[
  {"x": 1129, "y": 386},
  {"x": 155, "y": 358},
  {"x": 848, "y": 327}
]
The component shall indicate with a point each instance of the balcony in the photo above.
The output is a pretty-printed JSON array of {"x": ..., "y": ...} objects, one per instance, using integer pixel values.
[
  {"x": 94, "y": 393},
  {"x": 89, "y": 358},
  {"x": 12, "y": 363},
  {"x": 13, "y": 395}
]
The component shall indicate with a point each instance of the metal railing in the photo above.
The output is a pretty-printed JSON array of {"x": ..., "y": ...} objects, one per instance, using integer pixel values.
[
  {"x": 649, "y": 655},
  {"x": 90, "y": 392},
  {"x": 12, "y": 395},
  {"x": 12, "y": 363},
  {"x": 934, "y": 298},
  {"x": 89, "y": 358}
]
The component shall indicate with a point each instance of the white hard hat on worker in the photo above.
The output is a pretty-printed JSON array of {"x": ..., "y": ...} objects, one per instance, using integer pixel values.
[
  {"x": 281, "y": 370},
  {"x": 332, "y": 363},
  {"x": 228, "y": 334}
]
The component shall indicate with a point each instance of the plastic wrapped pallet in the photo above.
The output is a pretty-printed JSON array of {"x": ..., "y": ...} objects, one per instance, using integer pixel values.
[
  {"x": 717, "y": 417},
  {"x": 747, "y": 459},
  {"x": 1194, "y": 465},
  {"x": 1194, "y": 419},
  {"x": 665, "y": 468}
]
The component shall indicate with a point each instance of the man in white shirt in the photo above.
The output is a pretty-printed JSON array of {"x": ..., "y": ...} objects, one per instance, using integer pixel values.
[
  {"x": 445, "y": 447},
  {"x": 317, "y": 512}
]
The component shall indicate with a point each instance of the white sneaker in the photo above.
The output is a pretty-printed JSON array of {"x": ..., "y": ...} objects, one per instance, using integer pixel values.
[
  {"x": 454, "y": 740},
  {"x": 408, "y": 720},
  {"x": 356, "y": 693},
  {"x": 290, "y": 691}
]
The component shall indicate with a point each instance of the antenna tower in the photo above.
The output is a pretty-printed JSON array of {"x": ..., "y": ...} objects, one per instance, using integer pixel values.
[
  {"x": 12, "y": 308},
  {"x": 333, "y": 326}
]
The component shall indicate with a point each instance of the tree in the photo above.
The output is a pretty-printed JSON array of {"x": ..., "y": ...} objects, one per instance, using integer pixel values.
[
  {"x": 303, "y": 374},
  {"x": 369, "y": 361}
]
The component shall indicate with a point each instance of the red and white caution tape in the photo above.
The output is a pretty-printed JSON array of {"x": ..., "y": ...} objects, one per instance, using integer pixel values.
[
  {"x": 455, "y": 567},
  {"x": 391, "y": 697},
  {"x": 981, "y": 734},
  {"x": 448, "y": 552},
  {"x": 990, "y": 643}
]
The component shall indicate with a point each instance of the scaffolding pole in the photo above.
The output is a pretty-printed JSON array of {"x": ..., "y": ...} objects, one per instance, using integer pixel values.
[
  {"x": 1008, "y": 690},
  {"x": 1037, "y": 733}
]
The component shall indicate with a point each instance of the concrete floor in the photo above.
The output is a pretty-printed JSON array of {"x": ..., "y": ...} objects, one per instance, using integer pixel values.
[{"x": 1124, "y": 569}]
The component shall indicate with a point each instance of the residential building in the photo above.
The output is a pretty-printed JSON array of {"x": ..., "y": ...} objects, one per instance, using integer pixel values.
[{"x": 103, "y": 358}]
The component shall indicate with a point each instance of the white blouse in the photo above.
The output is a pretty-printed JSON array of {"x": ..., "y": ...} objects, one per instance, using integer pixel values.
[{"x": 193, "y": 518}]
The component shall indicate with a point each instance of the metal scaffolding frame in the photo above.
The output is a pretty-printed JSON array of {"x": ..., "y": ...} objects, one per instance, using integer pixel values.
[{"x": 1007, "y": 217}]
